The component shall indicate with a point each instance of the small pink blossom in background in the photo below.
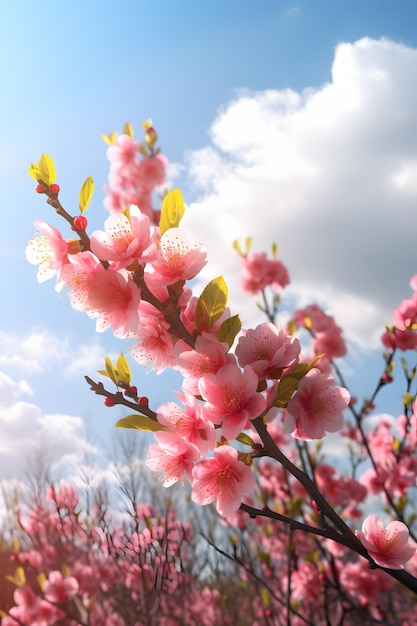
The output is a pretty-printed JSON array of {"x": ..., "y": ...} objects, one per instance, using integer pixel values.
[
  {"x": 223, "y": 478},
  {"x": 59, "y": 589},
  {"x": 64, "y": 495},
  {"x": 389, "y": 547},
  {"x": 231, "y": 398},
  {"x": 171, "y": 458},
  {"x": 123, "y": 152},
  {"x": 259, "y": 272},
  {"x": 48, "y": 250},
  {"x": 316, "y": 407},
  {"x": 267, "y": 348},
  {"x": 328, "y": 338},
  {"x": 30, "y": 610},
  {"x": 360, "y": 585},
  {"x": 331, "y": 344},
  {"x": 405, "y": 315},
  {"x": 152, "y": 171},
  {"x": 124, "y": 239},
  {"x": 401, "y": 339}
]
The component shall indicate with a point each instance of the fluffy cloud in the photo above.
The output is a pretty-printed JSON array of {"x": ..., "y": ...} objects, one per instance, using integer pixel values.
[
  {"x": 27, "y": 433},
  {"x": 38, "y": 351},
  {"x": 330, "y": 175}
]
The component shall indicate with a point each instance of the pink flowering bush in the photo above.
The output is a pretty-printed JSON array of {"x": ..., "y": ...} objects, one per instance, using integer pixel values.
[
  {"x": 248, "y": 439},
  {"x": 81, "y": 568}
]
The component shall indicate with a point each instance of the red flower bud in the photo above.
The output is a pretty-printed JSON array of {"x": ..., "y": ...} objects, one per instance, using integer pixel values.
[
  {"x": 143, "y": 400},
  {"x": 80, "y": 222},
  {"x": 40, "y": 188},
  {"x": 54, "y": 188},
  {"x": 108, "y": 402}
]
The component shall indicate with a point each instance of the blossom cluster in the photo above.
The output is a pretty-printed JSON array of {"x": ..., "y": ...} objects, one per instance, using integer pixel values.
[
  {"x": 243, "y": 388},
  {"x": 74, "y": 568},
  {"x": 133, "y": 277}
]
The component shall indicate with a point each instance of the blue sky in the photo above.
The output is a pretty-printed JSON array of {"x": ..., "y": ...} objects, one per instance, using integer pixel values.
[{"x": 213, "y": 76}]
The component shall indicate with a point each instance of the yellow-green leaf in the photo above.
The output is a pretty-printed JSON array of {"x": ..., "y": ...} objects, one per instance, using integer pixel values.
[
  {"x": 147, "y": 124},
  {"x": 123, "y": 369},
  {"x": 110, "y": 370},
  {"x": 212, "y": 303},
  {"x": 86, "y": 194},
  {"x": 41, "y": 579},
  {"x": 228, "y": 330},
  {"x": 110, "y": 139},
  {"x": 139, "y": 422},
  {"x": 103, "y": 372},
  {"x": 34, "y": 171},
  {"x": 245, "y": 439},
  {"x": 172, "y": 210},
  {"x": 47, "y": 170},
  {"x": 288, "y": 383},
  {"x": 18, "y": 577},
  {"x": 128, "y": 130}
]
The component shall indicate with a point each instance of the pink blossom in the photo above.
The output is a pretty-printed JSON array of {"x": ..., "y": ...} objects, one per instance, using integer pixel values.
[
  {"x": 152, "y": 171},
  {"x": 267, "y": 349},
  {"x": 223, "y": 478},
  {"x": 114, "y": 300},
  {"x": 209, "y": 355},
  {"x": 316, "y": 407},
  {"x": 49, "y": 250},
  {"x": 59, "y": 589},
  {"x": 389, "y": 547},
  {"x": 64, "y": 495},
  {"x": 177, "y": 259},
  {"x": 79, "y": 275},
  {"x": 401, "y": 339},
  {"x": 124, "y": 151},
  {"x": 189, "y": 423},
  {"x": 259, "y": 272},
  {"x": 126, "y": 237},
  {"x": 156, "y": 348},
  {"x": 359, "y": 584},
  {"x": 171, "y": 458},
  {"x": 231, "y": 398},
  {"x": 405, "y": 315},
  {"x": 331, "y": 344}
]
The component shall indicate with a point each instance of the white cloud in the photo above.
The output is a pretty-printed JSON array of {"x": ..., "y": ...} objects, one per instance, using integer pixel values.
[
  {"x": 25, "y": 432},
  {"x": 39, "y": 351},
  {"x": 330, "y": 175}
]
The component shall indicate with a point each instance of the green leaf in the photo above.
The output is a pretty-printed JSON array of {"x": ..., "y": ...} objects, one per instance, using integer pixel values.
[
  {"x": 139, "y": 422},
  {"x": 288, "y": 383},
  {"x": 244, "y": 438},
  {"x": 212, "y": 303},
  {"x": 123, "y": 369},
  {"x": 229, "y": 329},
  {"x": 172, "y": 210},
  {"x": 47, "y": 170},
  {"x": 86, "y": 194}
]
